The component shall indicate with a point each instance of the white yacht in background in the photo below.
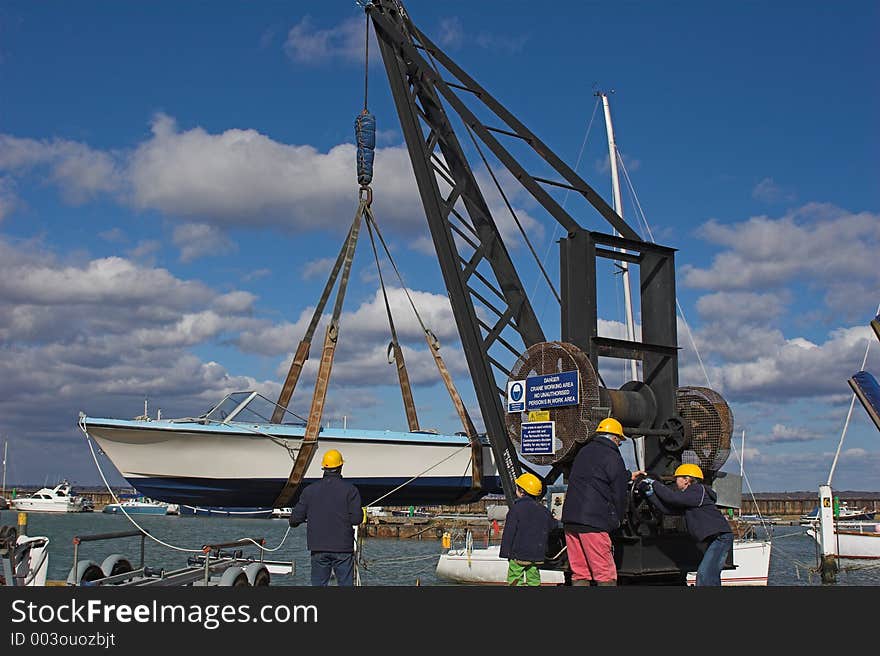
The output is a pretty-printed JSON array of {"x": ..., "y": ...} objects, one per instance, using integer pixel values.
[{"x": 55, "y": 499}]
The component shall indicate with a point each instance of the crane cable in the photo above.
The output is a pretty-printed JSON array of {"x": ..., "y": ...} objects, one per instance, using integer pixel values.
[
  {"x": 434, "y": 346},
  {"x": 84, "y": 429}
]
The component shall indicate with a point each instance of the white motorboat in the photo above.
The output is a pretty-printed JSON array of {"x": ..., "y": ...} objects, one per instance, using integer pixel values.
[
  {"x": 852, "y": 539},
  {"x": 485, "y": 566},
  {"x": 55, "y": 499},
  {"x": 234, "y": 456}
]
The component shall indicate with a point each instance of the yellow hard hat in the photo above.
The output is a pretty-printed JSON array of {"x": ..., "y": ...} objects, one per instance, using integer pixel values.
[
  {"x": 530, "y": 483},
  {"x": 689, "y": 469},
  {"x": 611, "y": 425},
  {"x": 332, "y": 460}
]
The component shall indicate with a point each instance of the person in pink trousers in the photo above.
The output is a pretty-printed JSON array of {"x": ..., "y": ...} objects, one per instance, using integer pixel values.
[{"x": 595, "y": 503}]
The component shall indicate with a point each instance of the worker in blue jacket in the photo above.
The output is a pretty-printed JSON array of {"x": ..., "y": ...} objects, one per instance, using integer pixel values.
[
  {"x": 705, "y": 523},
  {"x": 331, "y": 508},
  {"x": 526, "y": 532},
  {"x": 595, "y": 505}
]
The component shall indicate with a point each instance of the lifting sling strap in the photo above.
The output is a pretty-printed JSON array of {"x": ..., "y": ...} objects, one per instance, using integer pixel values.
[
  {"x": 313, "y": 425},
  {"x": 302, "y": 351}
]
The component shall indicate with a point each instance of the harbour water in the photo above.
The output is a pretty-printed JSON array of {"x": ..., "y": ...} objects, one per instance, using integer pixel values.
[{"x": 386, "y": 562}]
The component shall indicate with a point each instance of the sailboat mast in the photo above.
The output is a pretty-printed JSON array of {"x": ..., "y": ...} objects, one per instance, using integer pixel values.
[
  {"x": 5, "y": 447},
  {"x": 639, "y": 442},
  {"x": 618, "y": 207},
  {"x": 742, "y": 459}
]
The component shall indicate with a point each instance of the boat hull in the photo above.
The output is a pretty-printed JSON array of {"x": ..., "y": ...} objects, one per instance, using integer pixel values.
[
  {"x": 116, "y": 509},
  {"x": 233, "y": 465},
  {"x": 860, "y": 540},
  {"x": 485, "y": 566},
  {"x": 752, "y": 560},
  {"x": 237, "y": 513},
  {"x": 39, "y": 505}
]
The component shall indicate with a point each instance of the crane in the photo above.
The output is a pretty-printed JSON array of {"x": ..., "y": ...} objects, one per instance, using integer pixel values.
[{"x": 496, "y": 318}]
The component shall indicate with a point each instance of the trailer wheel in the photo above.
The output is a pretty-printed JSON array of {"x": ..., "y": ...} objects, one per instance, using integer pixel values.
[
  {"x": 86, "y": 572},
  {"x": 258, "y": 574},
  {"x": 234, "y": 577},
  {"x": 116, "y": 564}
]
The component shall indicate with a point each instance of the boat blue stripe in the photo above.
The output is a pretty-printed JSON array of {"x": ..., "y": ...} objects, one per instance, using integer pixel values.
[
  {"x": 261, "y": 493},
  {"x": 282, "y": 431}
]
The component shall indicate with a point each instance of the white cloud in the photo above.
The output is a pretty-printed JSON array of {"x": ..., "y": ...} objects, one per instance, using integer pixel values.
[
  {"x": 79, "y": 171},
  {"x": 8, "y": 200},
  {"x": 424, "y": 245},
  {"x": 781, "y": 433},
  {"x": 364, "y": 327},
  {"x": 796, "y": 368},
  {"x": 241, "y": 177},
  {"x": 317, "y": 268},
  {"x": 32, "y": 279},
  {"x": 768, "y": 191},
  {"x": 237, "y": 302},
  {"x": 742, "y": 307},
  {"x": 453, "y": 35},
  {"x": 818, "y": 245},
  {"x": 307, "y": 44},
  {"x": 113, "y": 235},
  {"x": 371, "y": 319},
  {"x": 197, "y": 240}
]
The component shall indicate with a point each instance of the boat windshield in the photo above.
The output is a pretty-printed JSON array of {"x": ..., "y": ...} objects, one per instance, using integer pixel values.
[
  {"x": 249, "y": 407},
  {"x": 227, "y": 406}
]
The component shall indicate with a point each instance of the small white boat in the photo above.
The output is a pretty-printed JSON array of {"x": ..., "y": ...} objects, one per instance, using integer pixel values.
[
  {"x": 853, "y": 539},
  {"x": 485, "y": 566},
  {"x": 24, "y": 560},
  {"x": 281, "y": 513},
  {"x": 843, "y": 513},
  {"x": 55, "y": 499},
  {"x": 234, "y": 456}
]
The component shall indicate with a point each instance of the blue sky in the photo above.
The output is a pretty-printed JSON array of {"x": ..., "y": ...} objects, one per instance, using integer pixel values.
[{"x": 174, "y": 178}]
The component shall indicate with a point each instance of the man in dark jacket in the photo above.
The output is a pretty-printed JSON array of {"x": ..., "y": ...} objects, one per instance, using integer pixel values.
[
  {"x": 526, "y": 531},
  {"x": 595, "y": 503},
  {"x": 331, "y": 507},
  {"x": 704, "y": 521}
]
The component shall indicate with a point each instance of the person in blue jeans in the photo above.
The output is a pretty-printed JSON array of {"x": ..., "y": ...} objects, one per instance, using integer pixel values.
[
  {"x": 704, "y": 521},
  {"x": 331, "y": 508}
]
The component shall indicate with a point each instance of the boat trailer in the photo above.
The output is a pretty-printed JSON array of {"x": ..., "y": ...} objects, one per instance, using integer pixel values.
[{"x": 217, "y": 565}]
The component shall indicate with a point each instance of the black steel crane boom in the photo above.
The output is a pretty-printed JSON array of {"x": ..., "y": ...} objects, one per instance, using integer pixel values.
[{"x": 493, "y": 313}]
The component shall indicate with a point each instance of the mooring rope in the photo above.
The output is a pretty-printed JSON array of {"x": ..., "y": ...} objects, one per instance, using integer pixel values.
[
  {"x": 82, "y": 427},
  {"x": 407, "y": 482}
]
